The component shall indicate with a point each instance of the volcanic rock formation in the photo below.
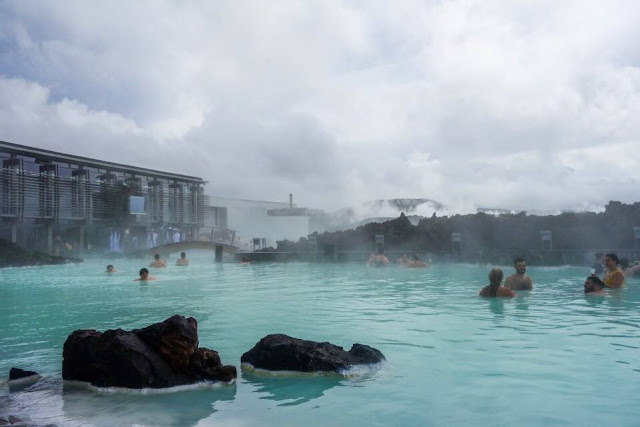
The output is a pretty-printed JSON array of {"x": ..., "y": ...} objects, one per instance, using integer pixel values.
[
  {"x": 12, "y": 255},
  {"x": 17, "y": 374},
  {"x": 280, "y": 352},
  {"x": 161, "y": 355}
]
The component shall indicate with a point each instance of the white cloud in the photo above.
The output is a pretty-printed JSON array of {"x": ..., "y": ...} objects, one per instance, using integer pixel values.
[{"x": 508, "y": 104}]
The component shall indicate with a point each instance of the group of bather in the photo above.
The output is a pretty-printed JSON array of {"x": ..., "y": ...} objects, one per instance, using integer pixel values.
[
  {"x": 608, "y": 266},
  {"x": 156, "y": 263},
  {"x": 379, "y": 259}
]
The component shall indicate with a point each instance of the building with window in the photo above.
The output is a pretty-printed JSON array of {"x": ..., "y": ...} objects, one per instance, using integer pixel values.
[{"x": 61, "y": 203}]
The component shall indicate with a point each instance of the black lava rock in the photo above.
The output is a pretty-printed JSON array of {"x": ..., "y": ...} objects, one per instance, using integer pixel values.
[
  {"x": 280, "y": 352},
  {"x": 161, "y": 355}
]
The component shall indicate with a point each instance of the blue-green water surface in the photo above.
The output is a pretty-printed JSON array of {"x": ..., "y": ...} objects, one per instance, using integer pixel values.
[{"x": 551, "y": 356}]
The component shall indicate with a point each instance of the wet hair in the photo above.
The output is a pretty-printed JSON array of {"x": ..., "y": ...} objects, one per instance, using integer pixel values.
[
  {"x": 614, "y": 257},
  {"x": 182, "y": 254},
  {"x": 596, "y": 282},
  {"x": 143, "y": 270},
  {"x": 381, "y": 250},
  {"x": 157, "y": 256},
  {"x": 624, "y": 263},
  {"x": 517, "y": 260},
  {"x": 109, "y": 266},
  {"x": 416, "y": 258},
  {"x": 495, "y": 279}
]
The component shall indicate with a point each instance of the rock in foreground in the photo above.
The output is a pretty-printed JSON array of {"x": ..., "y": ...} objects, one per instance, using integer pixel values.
[
  {"x": 280, "y": 352},
  {"x": 161, "y": 355},
  {"x": 12, "y": 255},
  {"x": 17, "y": 374}
]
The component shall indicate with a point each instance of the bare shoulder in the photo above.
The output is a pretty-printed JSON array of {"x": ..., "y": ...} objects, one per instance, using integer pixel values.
[{"x": 505, "y": 292}]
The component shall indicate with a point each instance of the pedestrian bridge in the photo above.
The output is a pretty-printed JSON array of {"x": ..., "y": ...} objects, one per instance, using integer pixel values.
[{"x": 187, "y": 246}]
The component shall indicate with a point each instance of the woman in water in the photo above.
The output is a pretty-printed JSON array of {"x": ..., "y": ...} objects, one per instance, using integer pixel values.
[
  {"x": 493, "y": 289},
  {"x": 613, "y": 276}
]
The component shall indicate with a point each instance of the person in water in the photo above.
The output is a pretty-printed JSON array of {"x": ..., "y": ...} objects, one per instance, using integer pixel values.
[
  {"x": 157, "y": 262},
  {"x": 493, "y": 289},
  {"x": 405, "y": 260},
  {"x": 245, "y": 260},
  {"x": 632, "y": 271},
  {"x": 110, "y": 269},
  {"x": 613, "y": 275},
  {"x": 593, "y": 286},
  {"x": 183, "y": 259},
  {"x": 519, "y": 281},
  {"x": 378, "y": 260},
  {"x": 416, "y": 263},
  {"x": 144, "y": 276}
]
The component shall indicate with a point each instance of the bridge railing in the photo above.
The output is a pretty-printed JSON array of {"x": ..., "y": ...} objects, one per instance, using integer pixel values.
[{"x": 218, "y": 235}]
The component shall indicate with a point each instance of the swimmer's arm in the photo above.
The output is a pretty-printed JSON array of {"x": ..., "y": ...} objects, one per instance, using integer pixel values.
[{"x": 529, "y": 282}]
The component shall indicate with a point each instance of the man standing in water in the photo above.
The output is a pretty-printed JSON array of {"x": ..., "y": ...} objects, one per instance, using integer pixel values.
[
  {"x": 144, "y": 276},
  {"x": 183, "y": 259},
  {"x": 519, "y": 281},
  {"x": 157, "y": 262}
]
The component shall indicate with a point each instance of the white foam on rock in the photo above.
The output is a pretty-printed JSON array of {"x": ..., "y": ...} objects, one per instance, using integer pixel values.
[
  {"x": 149, "y": 391},
  {"x": 355, "y": 371}
]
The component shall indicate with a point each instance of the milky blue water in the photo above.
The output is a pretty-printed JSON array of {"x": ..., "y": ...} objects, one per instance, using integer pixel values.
[{"x": 552, "y": 356}]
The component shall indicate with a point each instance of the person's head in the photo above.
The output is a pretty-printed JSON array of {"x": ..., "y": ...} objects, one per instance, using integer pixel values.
[
  {"x": 624, "y": 263},
  {"x": 592, "y": 284},
  {"x": 183, "y": 255},
  {"x": 380, "y": 250},
  {"x": 520, "y": 265},
  {"x": 495, "y": 277},
  {"x": 611, "y": 261},
  {"x": 144, "y": 273},
  {"x": 110, "y": 268},
  {"x": 416, "y": 258},
  {"x": 598, "y": 256},
  {"x": 245, "y": 259},
  {"x": 157, "y": 257}
]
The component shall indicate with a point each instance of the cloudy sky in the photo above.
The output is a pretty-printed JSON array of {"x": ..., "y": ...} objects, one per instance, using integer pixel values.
[{"x": 508, "y": 104}]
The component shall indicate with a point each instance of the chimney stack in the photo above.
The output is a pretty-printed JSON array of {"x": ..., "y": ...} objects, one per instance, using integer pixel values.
[{"x": 290, "y": 201}]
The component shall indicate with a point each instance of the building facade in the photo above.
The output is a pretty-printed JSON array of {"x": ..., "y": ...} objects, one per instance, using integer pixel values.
[
  {"x": 61, "y": 203},
  {"x": 262, "y": 221}
]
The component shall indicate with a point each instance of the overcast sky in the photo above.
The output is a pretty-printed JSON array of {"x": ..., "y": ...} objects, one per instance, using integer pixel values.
[{"x": 507, "y": 104}]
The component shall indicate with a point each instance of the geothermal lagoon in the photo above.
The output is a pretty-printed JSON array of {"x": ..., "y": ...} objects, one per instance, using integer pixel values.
[{"x": 552, "y": 356}]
